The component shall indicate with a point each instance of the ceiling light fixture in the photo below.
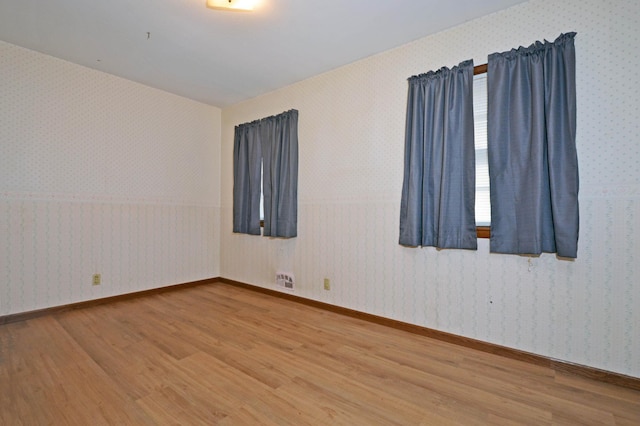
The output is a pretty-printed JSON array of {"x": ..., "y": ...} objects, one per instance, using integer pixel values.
[{"x": 233, "y": 5}]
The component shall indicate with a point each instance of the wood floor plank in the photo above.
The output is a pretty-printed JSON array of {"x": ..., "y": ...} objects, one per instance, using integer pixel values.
[
  {"x": 436, "y": 379},
  {"x": 561, "y": 395},
  {"x": 48, "y": 378},
  {"x": 220, "y": 354}
]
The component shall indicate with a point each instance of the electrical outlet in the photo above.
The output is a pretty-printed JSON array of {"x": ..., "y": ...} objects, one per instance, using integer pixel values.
[
  {"x": 327, "y": 284},
  {"x": 97, "y": 279}
]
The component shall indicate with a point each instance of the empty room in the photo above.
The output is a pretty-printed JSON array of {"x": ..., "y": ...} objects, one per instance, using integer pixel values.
[{"x": 290, "y": 212}]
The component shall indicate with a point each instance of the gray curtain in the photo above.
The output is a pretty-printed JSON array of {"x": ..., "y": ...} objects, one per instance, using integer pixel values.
[
  {"x": 533, "y": 164},
  {"x": 247, "y": 157},
  {"x": 438, "y": 191},
  {"x": 280, "y": 174},
  {"x": 270, "y": 143}
]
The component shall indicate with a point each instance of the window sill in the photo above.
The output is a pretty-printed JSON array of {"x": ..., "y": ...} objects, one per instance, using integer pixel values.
[{"x": 483, "y": 231}]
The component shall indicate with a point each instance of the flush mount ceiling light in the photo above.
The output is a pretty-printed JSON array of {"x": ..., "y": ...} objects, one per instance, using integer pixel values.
[{"x": 233, "y": 5}]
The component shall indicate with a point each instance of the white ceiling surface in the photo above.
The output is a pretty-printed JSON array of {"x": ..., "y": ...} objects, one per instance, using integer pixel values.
[{"x": 221, "y": 58}]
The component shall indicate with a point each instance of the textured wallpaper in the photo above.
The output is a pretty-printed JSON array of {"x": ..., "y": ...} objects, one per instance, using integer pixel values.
[
  {"x": 351, "y": 129},
  {"x": 100, "y": 175}
]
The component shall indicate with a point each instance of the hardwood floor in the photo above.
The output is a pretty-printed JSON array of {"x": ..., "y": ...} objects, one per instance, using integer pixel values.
[{"x": 219, "y": 354}]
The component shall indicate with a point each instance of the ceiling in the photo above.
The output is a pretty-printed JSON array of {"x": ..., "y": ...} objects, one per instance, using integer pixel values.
[{"x": 221, "y": 58}]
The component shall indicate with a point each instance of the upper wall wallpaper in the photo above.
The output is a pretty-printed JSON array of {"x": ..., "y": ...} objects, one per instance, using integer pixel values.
[
  {"x": 351, "y": 129},
  {"x": 72, "y": 130}
]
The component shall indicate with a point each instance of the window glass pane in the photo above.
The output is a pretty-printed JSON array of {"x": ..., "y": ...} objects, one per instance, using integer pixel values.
[
  {"x": 261, "y": 196},
  {"x": 483, "y": 203}
]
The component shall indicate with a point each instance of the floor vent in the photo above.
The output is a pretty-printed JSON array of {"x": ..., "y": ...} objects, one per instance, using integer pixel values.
[{"x": 285, "y": 280}]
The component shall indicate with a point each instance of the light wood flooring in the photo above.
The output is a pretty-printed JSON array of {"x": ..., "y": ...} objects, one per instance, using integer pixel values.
[{"x": 219, "y": 354}]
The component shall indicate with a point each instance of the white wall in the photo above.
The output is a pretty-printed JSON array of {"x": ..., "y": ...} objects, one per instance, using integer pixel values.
[
  {"x": 351, "y": 132},
  {"x": 100, "y": 175}
]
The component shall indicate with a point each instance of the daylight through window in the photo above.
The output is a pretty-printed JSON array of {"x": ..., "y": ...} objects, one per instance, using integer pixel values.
[{"x": 483, "y": 203}]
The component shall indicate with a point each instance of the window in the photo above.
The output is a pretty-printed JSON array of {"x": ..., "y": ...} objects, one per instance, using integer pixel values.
[
  {"x": 483, "y": 201},
  {"x": 530, "y": 200},
  {"x": 265, "y": 185},
  {"x": 261, "y": 198}
]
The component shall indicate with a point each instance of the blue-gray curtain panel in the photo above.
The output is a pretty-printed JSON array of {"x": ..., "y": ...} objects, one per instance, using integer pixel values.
[
  {"x": 279, "y": 136},
  {"x": 247, "y": 157},
  {"x": 533, "y": 165},
  {"x": 438, "y": 192}
]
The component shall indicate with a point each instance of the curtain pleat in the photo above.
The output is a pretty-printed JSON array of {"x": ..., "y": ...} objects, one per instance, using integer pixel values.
[
  {"x": 438, "y": 192},
  {"x": 533, "y": 164}
]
